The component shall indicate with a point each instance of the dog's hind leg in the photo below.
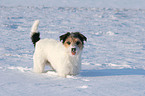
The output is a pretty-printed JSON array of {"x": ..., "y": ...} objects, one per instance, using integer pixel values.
[{"x": 39, "y": 65}]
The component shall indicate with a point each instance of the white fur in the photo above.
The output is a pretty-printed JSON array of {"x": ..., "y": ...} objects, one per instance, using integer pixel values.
[
  {"x": 34, "y": 28},
  {"x": 60, "y": 60},
  {"x": 60, "y": 57}
]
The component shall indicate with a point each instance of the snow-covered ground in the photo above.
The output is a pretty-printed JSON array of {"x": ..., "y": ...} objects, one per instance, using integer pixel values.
[
  {"x": 135, "y": 4},
  {"x": 113, "y": 60}
]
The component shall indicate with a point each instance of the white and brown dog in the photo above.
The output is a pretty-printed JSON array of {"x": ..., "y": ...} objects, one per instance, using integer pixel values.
[{"x": 64, "y": 57}]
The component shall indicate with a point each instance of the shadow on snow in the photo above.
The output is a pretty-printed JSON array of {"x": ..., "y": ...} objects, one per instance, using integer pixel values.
[{"x": 111, "y": 72}]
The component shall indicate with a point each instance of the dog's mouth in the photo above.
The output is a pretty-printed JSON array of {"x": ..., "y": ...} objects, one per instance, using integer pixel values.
[{"x": 73, "y": 51}]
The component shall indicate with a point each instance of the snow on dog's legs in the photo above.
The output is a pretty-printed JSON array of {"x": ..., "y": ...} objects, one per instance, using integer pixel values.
[{"x": 39, "y": 64}]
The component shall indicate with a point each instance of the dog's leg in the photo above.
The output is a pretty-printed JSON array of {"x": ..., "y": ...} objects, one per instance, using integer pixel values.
[
  {"x": 38, "y": 68},
  {"x": 39, "y": 64},
  {"x": 62, "y": 75}
]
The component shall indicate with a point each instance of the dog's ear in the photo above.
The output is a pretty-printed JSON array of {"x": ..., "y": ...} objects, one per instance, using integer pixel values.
[
  {"x": 81, "y": 36},
  {"x": 64, "y": 37}
]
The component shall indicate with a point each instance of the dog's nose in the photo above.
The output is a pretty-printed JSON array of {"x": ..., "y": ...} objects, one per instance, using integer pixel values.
[{"x": 73, "y": 49}]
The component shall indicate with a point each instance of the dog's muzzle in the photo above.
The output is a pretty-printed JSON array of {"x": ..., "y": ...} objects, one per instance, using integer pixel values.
[{"x": 73, "y": 51}]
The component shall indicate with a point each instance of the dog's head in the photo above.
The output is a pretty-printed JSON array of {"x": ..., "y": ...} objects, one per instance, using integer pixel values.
[{"x": 74, "y": 42}]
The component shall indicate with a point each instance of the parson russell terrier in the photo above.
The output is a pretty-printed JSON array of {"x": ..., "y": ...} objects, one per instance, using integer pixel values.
[{"x": 63, "y": 57}]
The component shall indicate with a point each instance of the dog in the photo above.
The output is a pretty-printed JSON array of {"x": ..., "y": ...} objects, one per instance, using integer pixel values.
[{"x": 63, "y": 56}]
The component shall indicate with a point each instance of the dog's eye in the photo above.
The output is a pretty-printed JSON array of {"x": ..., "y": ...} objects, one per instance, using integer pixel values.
[
  {"x": 78, "y": 42},
  {"x": 68, "y": 43}
]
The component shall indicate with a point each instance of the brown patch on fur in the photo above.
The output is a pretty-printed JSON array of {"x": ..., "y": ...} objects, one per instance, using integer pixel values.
[
  {"x": 73, "y": 34},
  {"x": 73, "y": 41}
]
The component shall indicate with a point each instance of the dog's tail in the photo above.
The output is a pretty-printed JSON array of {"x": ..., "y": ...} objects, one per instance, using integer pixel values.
[{"x": 35, "y": 35}]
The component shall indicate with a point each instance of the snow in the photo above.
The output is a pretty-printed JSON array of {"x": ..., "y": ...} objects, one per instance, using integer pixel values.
[
  {"x": 113, "y": 60},
  {"x": 78, "y": 3}
]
